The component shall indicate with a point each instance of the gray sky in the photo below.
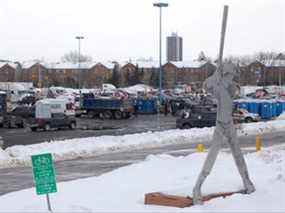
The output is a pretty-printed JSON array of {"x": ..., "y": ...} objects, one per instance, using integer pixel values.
[{"x": 123, "y": 29}]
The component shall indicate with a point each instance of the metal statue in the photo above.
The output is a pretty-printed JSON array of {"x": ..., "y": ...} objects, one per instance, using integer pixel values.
[{"x": 221, "y": 84}]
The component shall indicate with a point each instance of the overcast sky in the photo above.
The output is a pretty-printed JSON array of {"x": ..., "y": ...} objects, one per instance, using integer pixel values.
[{"x": 123, "y": 29}]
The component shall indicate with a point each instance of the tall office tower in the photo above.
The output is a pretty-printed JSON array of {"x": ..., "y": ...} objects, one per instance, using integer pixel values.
[{"x": 174, "y": 45}]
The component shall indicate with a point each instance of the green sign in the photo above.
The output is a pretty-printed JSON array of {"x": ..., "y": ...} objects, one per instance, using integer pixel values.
[{"x": 44, "y": 175}]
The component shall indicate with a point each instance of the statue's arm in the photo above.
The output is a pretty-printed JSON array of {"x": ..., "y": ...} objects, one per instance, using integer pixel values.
[{"x": 212, "y": 81}]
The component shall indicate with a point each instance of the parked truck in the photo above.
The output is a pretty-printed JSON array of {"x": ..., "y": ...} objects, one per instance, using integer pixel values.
[
  {"x": 52, "y": 113},
  {"x": 106, "y": 107}
]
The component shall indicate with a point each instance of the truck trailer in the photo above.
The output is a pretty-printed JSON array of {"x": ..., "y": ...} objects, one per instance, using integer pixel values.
[{"x": 106, "y": 107}]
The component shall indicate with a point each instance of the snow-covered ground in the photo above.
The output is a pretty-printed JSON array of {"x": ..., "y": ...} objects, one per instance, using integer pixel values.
[
  {"x": 85, "y": 147},
  {"x": 123, "y": 190}
]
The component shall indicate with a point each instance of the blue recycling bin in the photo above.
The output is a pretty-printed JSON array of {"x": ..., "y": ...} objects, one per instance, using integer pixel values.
[
  {"x": 279, "y": 108},
  {"x": 253, "y": 107},
  {"x": 146, "y": 106},
  {"x": 274, "y": 109},
  {"x": 242, "y": 105},
  {"x": 266, "y": 110},
  {"x": 283, "y": 105}
]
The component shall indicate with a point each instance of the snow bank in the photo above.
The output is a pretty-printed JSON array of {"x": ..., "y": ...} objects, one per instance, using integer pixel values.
[
  {"x": 3, "y": 155},
  {"x": 138, "y": 88},
  {"x": 123, "y": 190},
  {"x": 86, "y": 147}
]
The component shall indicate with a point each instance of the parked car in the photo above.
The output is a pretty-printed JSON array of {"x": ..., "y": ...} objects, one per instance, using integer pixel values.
[
  {"x": 205, "y": 116},
  {"x": 178, "y": 105},
  {"x": 18, "y": 117},
  {"x": 197, "y": 116},
  {"x": 243, "y": 116},
  {"x": 57, "y": 120},
  {"x": 28, "y": 100}
]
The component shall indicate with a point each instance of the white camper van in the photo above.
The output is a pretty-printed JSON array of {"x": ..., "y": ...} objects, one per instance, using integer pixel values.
[{"x": 53, "y": 113}]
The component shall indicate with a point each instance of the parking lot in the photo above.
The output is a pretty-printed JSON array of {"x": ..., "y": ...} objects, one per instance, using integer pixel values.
[{"x": 89, "y": 127}]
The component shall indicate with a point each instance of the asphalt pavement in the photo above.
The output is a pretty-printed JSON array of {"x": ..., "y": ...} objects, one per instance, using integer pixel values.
[
  {"x": 89, "y": 128},
  {"x": 13, "y": 179}
]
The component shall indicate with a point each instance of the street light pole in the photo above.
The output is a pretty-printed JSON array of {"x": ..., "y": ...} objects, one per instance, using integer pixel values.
[
  {"x": 160, "y": 6},
  {"x": 79, "y": 60}
]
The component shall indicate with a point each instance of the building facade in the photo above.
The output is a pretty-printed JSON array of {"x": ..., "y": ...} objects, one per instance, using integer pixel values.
[
  {"x": 93, "y": 75},
  {"x": 174, "y": 48}
]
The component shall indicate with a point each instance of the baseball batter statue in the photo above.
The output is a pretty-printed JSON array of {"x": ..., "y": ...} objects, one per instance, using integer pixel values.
[{"x": 222, "y": 85}]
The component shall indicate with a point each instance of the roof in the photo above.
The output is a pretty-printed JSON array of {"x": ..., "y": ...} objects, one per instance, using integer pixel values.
[
  {"x": 188, "y": 64},
  {"x": 52, "y": 101},
  {"x": 83, "y": 65},
  {"x": 14, "y": 65},
  {"x": 107, "y": 64},
  {"x": 179, "y": 64},
  {"x": 66, "y": 65},
  {"x": 29, "y": 64},
  {"x": 274, "y": 63},
  {"x": 142, "y": 64}
]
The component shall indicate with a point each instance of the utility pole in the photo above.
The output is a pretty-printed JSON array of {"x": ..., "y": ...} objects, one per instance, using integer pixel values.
[
  {"x": 160, "y": 6},
  {"x": 79, "y": 61}
]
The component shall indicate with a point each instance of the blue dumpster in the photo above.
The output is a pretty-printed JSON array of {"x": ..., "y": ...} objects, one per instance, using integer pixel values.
[
  {"x": 243, "y": 105},
  {"x": 253, "y": 107},
  {"x": 146, "y": 106},
  {"x": 279, "y": 108},
  {"x": 283, "y": 105},
  {"x": 266, "y": 110},
  {"x": 274, "y": 109}
]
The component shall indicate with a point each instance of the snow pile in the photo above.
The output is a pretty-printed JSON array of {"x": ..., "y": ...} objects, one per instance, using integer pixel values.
[
  {"x": 87, "y": 147},
  {"x": 123, "y": 190},
  {"x": 5, "y": 159},
  {"x": 3, "y": 155},
  {"x": 138, "y": 88}
]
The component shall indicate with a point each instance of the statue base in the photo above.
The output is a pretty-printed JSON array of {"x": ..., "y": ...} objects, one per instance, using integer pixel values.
[{"x": 157, "y": 198}]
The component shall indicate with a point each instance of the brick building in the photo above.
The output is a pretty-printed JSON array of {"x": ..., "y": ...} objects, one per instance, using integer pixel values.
[
  {"x": 93, "y": 74},
  {"x": 186, "y": 72},
  {"x": 269, "y": 72},
  {"x": 8, "y": 72},
  {"x": 36, "y": 73},
  {"x": 98, "y": 74}
]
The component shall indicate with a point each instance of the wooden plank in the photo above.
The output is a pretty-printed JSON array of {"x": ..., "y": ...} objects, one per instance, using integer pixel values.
[{"x": 157, "y": 198}]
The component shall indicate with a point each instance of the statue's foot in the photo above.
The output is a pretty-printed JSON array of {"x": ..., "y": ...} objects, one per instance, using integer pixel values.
[
  {"x": 249, "y": 188},
  {"x": 197, "y": 197}
]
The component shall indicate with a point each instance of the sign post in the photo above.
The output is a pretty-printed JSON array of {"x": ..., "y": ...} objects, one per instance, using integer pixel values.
[{"x": 44, "y": 175}]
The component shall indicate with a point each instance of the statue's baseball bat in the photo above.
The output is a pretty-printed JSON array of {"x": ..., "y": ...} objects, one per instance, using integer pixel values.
[{"x": 223, "y": 34}]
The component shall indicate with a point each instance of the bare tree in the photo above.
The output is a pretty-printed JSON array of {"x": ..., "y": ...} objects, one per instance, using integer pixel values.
[{"x": 73, "y": 57}]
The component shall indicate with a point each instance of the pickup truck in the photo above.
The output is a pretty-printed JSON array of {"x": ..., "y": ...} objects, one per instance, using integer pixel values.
[
  {"x": 52, "y": 114},
  {"x": 107, "y": 108},
  {"x": 18, "y": 117},
  {"x": 206, "y": 117},
  {"x": 57, "y": 121}
]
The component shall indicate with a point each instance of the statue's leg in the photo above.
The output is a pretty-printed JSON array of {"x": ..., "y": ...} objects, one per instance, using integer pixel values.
[
  {"x": 239, "y": 160},
  {"x": 208, "y": 165}
]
